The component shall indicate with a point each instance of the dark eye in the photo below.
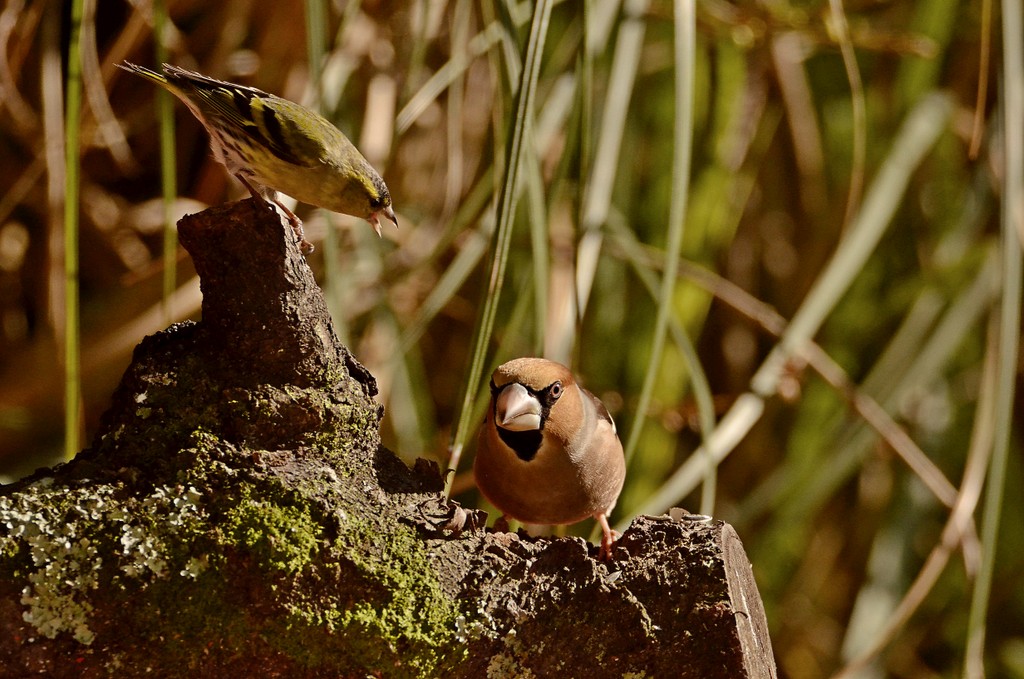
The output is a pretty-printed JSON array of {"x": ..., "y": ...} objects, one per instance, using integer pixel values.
[
  {"x": 555, "y": 390},
  {"x": 376, "y": 203}
]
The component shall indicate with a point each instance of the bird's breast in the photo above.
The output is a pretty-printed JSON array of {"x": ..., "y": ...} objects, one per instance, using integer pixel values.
[{"x": 548, "y": 488}]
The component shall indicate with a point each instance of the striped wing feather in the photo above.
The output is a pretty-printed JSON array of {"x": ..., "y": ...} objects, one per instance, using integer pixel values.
[{"x": 240, "y": 107}]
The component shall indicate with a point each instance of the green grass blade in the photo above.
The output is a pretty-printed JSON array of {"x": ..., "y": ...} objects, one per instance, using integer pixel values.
[
  {"x": 958, "y": 526},
  {"x": 316, "y": 43},
  {"x": 1009, "y": 327},
  {"x": 940, "y": 348},
  {"x": 446, "y": 75},
  {"x": 470, "y": 254},
  {"x": 633, "y": 252},
  {"x": 685, "y": 39},
  {"x": 842, "y": 30},
  {"x": 918, "y": 134},
  {"x": 72, "y": 185},
  {"x": 455, "y": 120},
  {"x": 168, "y": 167},
  {"x": 518, "y": 136},
  {"x": 537, "y": 211},
  {"x": 597, "y": 202},
  {"x": 456, "y": 273}
]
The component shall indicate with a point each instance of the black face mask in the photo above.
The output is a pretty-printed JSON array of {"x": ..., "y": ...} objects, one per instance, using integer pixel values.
[{"x": 525, "y": 444}]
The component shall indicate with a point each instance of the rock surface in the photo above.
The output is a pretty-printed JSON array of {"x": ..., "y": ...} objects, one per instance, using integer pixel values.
[{"x": 236, "y": 515}]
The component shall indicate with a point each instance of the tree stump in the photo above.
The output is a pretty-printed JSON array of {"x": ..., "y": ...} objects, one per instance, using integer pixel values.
[{"x": 236, "y": 515}]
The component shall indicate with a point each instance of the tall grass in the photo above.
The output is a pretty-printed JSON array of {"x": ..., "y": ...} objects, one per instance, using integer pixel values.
[
  {"x": 515, "y": 157},
  {"x": 762, "y": 233},
  {"x": 1012, "y": 232},
  {"x": 72, "y": 184},
  {"x": 168, "y": 165}
]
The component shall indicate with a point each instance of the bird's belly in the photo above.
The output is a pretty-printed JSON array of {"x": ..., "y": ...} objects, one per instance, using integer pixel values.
[
  {"x": 537, "y": 493},
  {"x": 320, "y": 189}
]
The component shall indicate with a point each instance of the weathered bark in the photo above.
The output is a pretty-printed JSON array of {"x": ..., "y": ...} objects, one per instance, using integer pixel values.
[{"x": 237, "y": 514}]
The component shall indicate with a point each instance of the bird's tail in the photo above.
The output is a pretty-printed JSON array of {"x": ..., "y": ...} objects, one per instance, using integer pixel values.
[{"x": 158, "y": 78}]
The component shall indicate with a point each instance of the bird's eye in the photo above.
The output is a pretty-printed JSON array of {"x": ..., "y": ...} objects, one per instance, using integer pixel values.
[
  {"x": 555, "y": 390},
  {"x": 376, "y": 203}
]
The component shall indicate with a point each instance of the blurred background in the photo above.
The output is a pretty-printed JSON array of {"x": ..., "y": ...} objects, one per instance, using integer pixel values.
[{"x": 848, "y": 172}]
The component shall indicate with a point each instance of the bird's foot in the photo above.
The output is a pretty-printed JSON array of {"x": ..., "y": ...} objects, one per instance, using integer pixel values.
[
  {"x": 608, "y": 538},
  {"x": 304, "y": 245}
]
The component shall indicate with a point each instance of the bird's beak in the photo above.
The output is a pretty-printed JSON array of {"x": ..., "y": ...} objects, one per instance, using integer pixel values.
[
  {"x": 517, "y": 409},
  {"x": 374, "y": 218}
]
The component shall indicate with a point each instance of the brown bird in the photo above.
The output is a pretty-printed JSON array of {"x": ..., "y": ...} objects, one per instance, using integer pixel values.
[{"x": 548, "y": 452}]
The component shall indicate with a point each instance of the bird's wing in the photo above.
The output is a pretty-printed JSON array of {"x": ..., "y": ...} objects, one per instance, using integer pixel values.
[
  {"x": 599, "y": 408},
  {"x": 255, "y": 113}
]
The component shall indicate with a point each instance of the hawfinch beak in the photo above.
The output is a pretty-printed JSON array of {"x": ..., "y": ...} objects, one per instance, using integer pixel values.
[{"x": 516, "y": 409}]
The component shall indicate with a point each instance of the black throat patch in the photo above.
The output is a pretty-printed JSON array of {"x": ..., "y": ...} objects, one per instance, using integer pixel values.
[{"x": 525, "y": 444}]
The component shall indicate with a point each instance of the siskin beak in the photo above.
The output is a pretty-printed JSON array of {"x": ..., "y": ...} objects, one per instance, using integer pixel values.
[
  {"x": 375, "y": 223},
  {"x": 374, "y": 218}
]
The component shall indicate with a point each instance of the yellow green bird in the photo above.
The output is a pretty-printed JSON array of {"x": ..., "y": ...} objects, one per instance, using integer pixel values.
[{"x": 271, "y": 144}]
